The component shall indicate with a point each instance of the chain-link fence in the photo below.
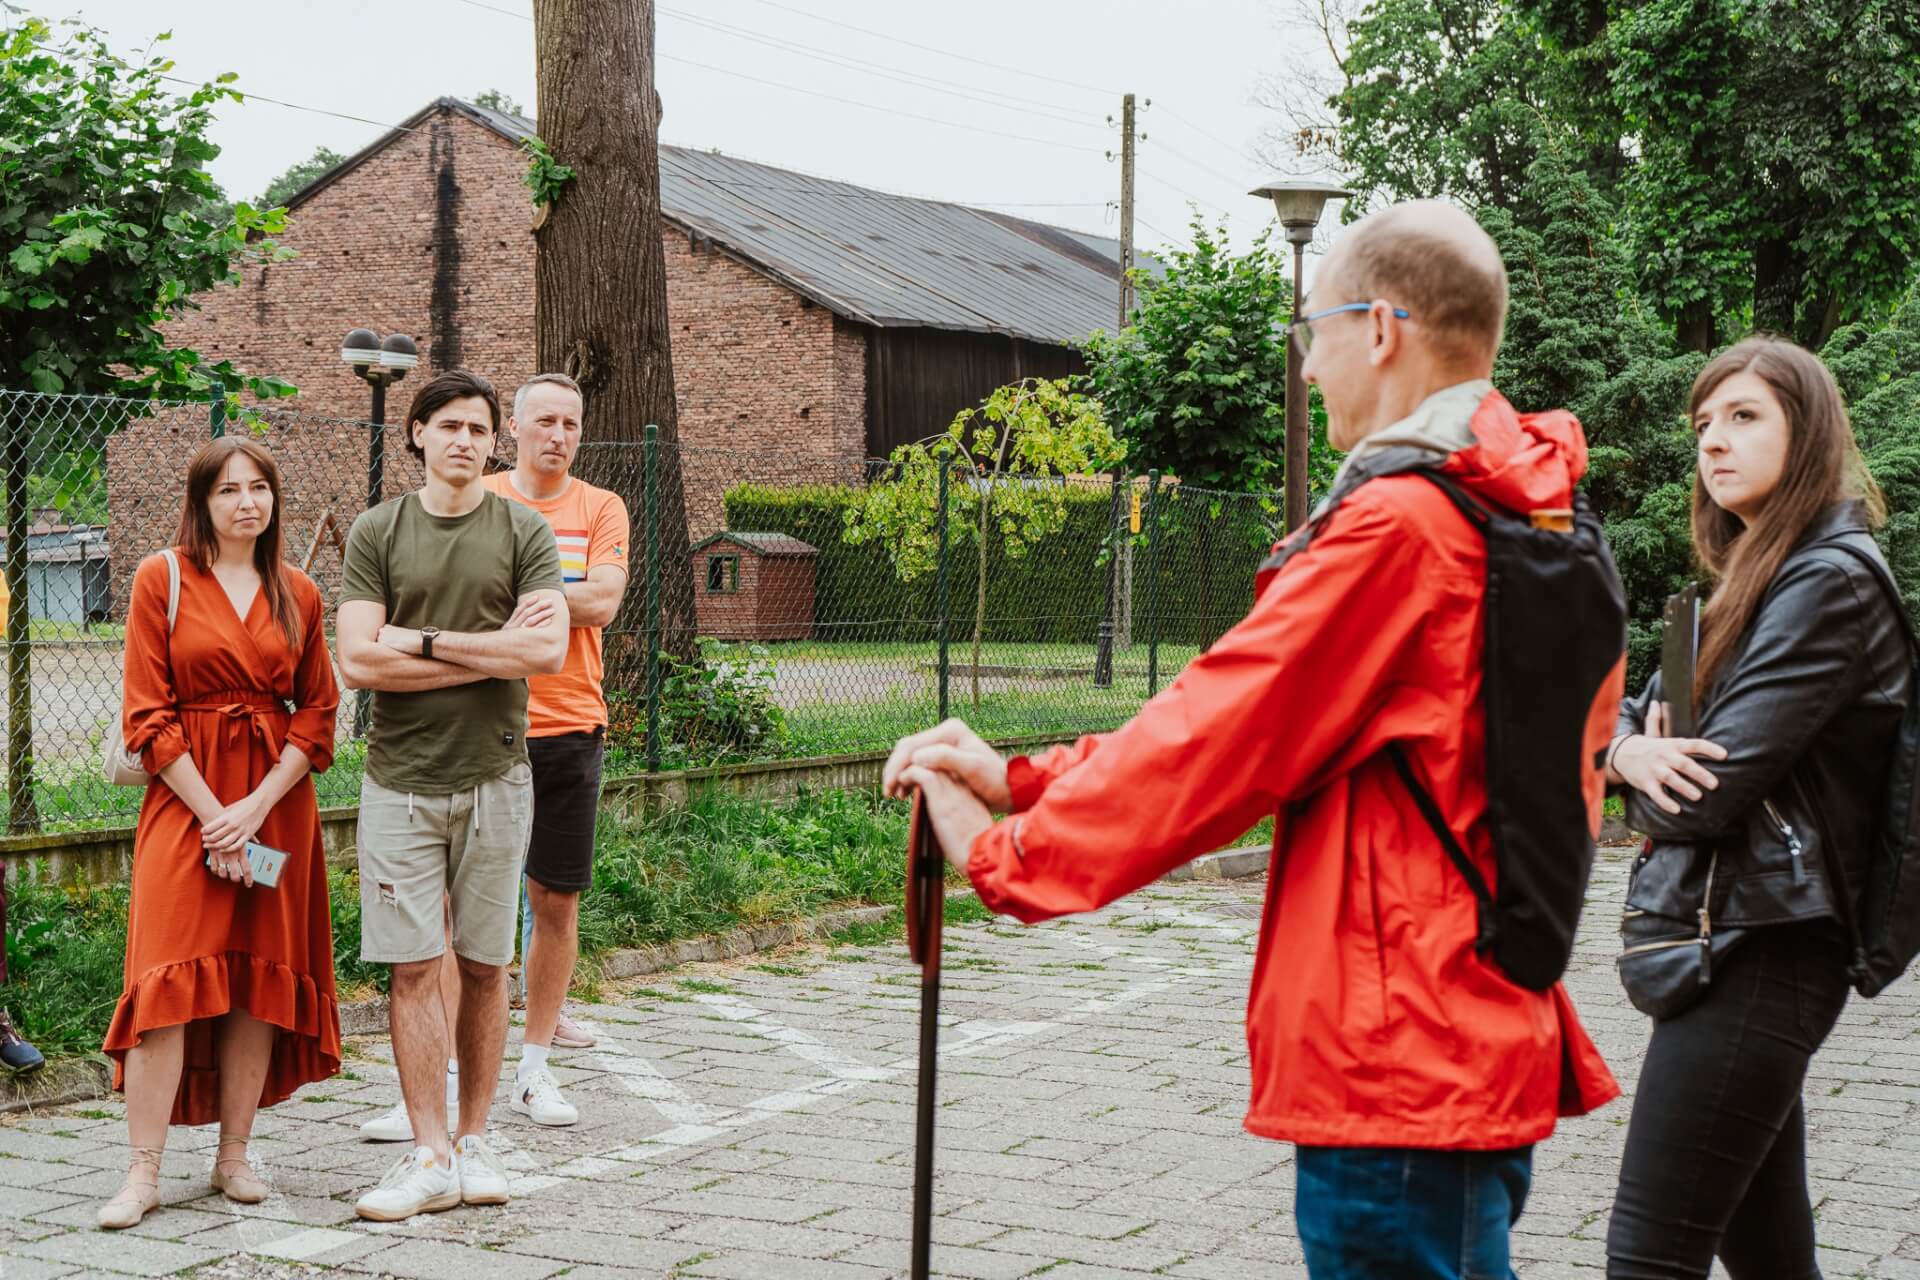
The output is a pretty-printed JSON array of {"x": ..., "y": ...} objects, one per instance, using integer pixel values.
[{"x": 780, "y": 605}]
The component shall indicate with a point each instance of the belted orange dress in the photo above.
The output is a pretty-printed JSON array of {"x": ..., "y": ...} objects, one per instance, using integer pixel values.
[{"x": 232, "y": 692}]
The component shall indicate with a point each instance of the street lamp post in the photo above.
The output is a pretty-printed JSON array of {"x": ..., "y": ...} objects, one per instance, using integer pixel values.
[
  {"x": 379, "y": 364},
  {"x": 1298, "y": 204}
]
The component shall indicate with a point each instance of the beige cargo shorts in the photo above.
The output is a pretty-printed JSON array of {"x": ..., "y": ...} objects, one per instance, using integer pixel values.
[{"x": 417, "y": 851}]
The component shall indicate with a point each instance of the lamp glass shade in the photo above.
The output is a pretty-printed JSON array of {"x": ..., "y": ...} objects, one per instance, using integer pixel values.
[
  {"x": 1299, "y": 204},
  {"x": 360, "y": 346}
]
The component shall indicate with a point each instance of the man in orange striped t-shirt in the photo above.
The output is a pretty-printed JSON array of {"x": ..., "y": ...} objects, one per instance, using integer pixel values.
[{"x": 566, "y": 719}]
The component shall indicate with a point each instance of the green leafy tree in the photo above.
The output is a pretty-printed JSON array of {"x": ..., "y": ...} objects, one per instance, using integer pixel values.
[
  {"x": 1577, "y": 338},
  {"x": 288, "y": 184},
  {"x": 104, "y": 207},
  {"x": 1005, "y": 461},
  {"x": 1196, "y": 386},
  {"x": 499, "y": 100},
  {"x": 1878, "y": 368},
  {"x": 1777, "y": 183}
]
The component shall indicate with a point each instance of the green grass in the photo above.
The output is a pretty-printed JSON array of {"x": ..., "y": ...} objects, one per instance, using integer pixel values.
[{"x": 722, "y": 862}]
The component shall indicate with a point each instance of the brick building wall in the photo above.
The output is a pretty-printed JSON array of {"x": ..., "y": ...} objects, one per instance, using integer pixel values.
[
  {"x": 772, "y": 601},
  {"x": 432, "y": 236}
]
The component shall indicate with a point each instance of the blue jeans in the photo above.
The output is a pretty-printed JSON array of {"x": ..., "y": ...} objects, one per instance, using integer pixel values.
[{"x": 1386, "y": 1213}]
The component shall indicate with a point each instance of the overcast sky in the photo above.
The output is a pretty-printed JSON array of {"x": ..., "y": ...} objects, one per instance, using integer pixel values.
[{"x": 759, "y": 79}]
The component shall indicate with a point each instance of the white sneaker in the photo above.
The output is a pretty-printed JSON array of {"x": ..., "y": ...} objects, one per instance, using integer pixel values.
[
  {"x": 537, "y": 1096},
  {"x": 483, "y": 1179},
  {"x": 418, "y": 1183},
  {"x": 395, "y": 1126}
]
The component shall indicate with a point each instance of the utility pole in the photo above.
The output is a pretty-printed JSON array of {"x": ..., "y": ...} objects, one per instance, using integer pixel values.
[
  {"x": 1120, "y": 567},
  {"x": 1126, "y": 210}
]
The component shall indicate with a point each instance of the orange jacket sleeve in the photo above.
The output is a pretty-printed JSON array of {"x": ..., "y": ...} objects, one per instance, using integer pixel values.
[
  {"x": 150, "y": 713},
  {"x": 1263, "y": 717},
  {"x": 1028, "y": 777},
  {"x": 316, "y": 696}
]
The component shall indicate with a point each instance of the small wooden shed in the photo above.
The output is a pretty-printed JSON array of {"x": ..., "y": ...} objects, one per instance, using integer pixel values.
[{"x": 754, "y": 586}]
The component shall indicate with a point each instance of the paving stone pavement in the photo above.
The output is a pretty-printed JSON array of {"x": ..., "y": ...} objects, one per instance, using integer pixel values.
[{"x": 756, "y": 1120}]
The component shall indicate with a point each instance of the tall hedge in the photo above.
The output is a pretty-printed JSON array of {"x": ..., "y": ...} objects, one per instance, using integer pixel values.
[{"x": 1201, "y": 576}]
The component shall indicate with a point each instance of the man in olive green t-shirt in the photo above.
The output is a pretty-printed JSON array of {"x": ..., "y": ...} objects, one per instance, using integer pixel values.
[{"x": 453, "y": 598}]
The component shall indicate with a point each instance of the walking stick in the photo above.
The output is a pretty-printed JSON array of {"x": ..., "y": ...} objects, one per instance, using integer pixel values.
[{"x": 926, "y": 899}]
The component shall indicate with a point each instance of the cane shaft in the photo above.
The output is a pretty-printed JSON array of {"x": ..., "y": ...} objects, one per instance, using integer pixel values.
[{"x": 923, "y": 1122}]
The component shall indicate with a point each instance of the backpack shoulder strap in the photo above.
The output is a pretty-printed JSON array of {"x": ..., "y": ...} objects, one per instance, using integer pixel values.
[
  {"x": 1387, "y": 462},
  {"x": 173, "y": 587},
  {"x": 1423, "y": 800},
  {"x": 1884, "y": 577}
]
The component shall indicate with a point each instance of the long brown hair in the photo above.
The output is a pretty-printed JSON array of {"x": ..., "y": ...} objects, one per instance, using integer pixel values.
[
  {"x": 1823, "y": 467},
  {"x": 197, "y": 538}
]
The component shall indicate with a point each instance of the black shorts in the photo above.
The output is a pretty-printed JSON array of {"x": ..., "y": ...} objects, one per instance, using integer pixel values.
[{"x": 566, "y": 800}]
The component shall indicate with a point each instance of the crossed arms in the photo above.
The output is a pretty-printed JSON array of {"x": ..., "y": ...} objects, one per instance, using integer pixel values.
[{"x": 374, "y": 655}]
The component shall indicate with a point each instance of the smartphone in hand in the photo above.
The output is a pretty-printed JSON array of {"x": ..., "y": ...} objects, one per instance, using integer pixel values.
[{"x": 265, "y": 862}]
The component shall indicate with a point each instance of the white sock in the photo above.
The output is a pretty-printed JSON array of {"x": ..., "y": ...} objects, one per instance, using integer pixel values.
[
  {"x": 453, "y": 1066},
  {"x": 533, "y": 1057}
]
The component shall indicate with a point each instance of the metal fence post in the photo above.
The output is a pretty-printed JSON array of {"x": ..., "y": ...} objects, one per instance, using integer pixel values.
[
  {"x": 940, "y": 590},
  {"x": 650, "y": 480},
  {"x": 1153, "y": 582},
  {"x": 1116, "y": 530},
  {"x": 217, "y": 410}
]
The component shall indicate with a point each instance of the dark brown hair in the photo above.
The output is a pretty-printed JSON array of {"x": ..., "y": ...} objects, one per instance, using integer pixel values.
[
  {"x": 197, "y": 538},
  {"x": 442, "y": 390},
  {"x": 1823, "y": 467}
]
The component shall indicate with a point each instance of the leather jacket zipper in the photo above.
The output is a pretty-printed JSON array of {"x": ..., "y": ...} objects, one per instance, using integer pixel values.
[{"x": 1794, "y": 847}]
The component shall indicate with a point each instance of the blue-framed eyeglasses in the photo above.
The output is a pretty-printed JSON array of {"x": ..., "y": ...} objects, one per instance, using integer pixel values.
[{"x": 1302, "y": 329}]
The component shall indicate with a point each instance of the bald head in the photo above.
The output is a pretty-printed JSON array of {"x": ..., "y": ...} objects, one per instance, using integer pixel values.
[{"x": 1432, "y": 259}]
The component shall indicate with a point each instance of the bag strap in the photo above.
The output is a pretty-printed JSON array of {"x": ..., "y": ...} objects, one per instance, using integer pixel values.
[
  {"x": 173, "y": 587},
  {"x": 1458, "y": 856},
  {"x": 1884, "y": 577},
  {"x": 1843, "y": 893}
]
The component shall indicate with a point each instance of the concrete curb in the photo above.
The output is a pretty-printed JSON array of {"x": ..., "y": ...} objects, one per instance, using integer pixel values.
[
  {"x": 369, "y": 1017},
  {"x": 61, "y": 1082},
  {"x": 1228, "y": 864}
]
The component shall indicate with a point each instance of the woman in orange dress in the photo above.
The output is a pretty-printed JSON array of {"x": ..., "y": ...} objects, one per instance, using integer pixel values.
[{"x": 228, "y": 1002}]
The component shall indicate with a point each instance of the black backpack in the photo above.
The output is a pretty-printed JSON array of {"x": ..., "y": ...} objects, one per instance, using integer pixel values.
[
  {"x": 1556, "y": 627},
  {"x": 1883, "y": 912}
]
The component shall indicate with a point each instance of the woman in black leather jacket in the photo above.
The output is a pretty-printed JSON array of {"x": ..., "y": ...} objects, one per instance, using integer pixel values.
[{"x": 1802, "y": 676}]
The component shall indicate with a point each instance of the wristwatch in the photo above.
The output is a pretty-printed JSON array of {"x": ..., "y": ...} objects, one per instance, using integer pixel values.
[{"x": 426, "y": 640}]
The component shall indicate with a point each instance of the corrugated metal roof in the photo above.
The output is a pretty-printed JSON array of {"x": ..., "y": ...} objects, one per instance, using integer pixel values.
[{"x": 883, "y": 259}]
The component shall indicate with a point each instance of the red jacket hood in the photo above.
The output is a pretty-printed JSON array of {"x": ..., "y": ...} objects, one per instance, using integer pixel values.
[{"x": 1522, "y": 461}]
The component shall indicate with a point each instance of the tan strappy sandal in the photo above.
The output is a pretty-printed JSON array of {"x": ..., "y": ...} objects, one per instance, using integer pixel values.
[
  {"x": 135, "y": 1200},
  {"x": 233, "y": 1177}
]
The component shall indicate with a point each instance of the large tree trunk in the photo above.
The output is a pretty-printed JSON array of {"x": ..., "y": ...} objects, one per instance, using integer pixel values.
[
  {"x": 1696, "y": 329},
  {"x": 1779, "y": 271},
  {"x": 600, "y": 290}
]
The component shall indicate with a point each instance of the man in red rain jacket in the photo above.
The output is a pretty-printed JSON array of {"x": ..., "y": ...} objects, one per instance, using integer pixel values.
[{"x": 1412, "y": 1074}]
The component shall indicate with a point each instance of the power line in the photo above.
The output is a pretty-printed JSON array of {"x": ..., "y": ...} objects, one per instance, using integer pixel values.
[
  {"x": 928, "y": 48},
  {"x": 481, "y": 4},
  {"x": 894, "y": 195},
  {"x": 1239, "y": 153},
  {"x": 873, "y": 106},
  {"x": 915, "y": 78},
  {"x": 1172, "y": 239},
  {"x": 1177, "y": 189},
  {"x": 830, "y": 97},
  {"x": 1200, "y": 167}
]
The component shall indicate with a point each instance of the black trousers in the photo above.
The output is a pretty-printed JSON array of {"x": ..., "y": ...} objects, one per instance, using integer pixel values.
[{"x": 1716, "y": 1158}]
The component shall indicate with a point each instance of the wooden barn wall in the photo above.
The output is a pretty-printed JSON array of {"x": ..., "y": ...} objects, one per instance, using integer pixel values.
[{"x": 918, "y": 379}]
